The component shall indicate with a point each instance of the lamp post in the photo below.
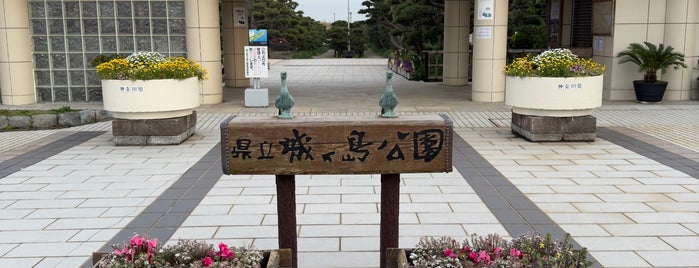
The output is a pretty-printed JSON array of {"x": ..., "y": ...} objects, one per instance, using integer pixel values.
[{"x": 349, "y": 18}]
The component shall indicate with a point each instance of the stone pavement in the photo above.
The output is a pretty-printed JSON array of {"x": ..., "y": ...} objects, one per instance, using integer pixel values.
[{"x": 631, "y": 197}]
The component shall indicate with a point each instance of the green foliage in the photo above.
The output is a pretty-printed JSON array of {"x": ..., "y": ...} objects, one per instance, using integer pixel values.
[
  {"x": 281, "y": 20},
  {"x": 526, "y": 24},
  {"x": 651, "y": 58},
  {"x": 102, "y": 58},
  {"x": 64, "y": 109}
]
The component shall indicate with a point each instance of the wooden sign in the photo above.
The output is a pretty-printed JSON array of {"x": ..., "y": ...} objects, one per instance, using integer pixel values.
[{"x": 336, "y": 145}]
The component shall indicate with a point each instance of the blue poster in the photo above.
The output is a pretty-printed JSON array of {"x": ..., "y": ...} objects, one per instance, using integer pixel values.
[{"x": 257, "y": 37}]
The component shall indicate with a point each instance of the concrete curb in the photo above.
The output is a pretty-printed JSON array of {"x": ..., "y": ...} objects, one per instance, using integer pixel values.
[{"x": 52, "y": 121}]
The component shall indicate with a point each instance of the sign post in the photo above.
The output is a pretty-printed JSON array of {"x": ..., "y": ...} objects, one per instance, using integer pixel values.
[{"x": 256, "y": 67}]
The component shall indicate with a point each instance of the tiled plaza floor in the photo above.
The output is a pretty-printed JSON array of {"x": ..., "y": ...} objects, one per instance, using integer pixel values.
[{"x": 631, "y": 197}]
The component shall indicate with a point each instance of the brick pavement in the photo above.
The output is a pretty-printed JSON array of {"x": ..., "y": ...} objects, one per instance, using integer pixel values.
[{"x": 631, "y": 197}]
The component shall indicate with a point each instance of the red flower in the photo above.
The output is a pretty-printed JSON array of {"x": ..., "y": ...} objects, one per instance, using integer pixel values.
[
  {"x": 136, "y": 240},
  {"x": 224, "y": 252},
  {"x": 449, "y": 253},
  {"x": 472, "y": 256},
  {"x": 206, "y": 261}
]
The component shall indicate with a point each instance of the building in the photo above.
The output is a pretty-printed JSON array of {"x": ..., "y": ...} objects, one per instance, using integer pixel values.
[{"x": 46, "y": 46}]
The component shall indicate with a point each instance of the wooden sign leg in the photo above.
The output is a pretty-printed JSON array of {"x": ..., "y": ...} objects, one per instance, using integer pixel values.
[
  {"x": 390, "y": 197},
  {"x": 286, "y": 214}
]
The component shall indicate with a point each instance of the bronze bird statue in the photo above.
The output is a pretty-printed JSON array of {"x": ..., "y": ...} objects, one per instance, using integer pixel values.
[
  {"x": 388, "y": 100},
  {"x": 284, "y": 101}
]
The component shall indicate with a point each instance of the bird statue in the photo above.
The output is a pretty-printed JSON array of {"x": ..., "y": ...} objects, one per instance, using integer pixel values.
[
  {"x": 388, "y": 100},
  {"x": 284, "y": 101}
]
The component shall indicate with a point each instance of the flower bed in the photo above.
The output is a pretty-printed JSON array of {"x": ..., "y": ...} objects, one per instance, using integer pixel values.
[
  {"x": 140, "y": 251},
  {"x": 526, "y": 250}
]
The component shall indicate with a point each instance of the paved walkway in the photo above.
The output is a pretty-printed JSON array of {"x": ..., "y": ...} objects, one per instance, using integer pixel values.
[{"x": 631, "y": 197}]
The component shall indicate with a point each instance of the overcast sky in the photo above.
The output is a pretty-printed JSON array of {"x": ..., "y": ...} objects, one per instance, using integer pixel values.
[{"x": 322, "y": 10}]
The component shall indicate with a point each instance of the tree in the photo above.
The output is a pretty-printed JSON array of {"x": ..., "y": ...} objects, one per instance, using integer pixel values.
[
  {"x": 526, "y": 24},
  {"x": 281, "y": 20},
  {"x": 405, "y": 24},
  {"x": 337, "y": 37}
]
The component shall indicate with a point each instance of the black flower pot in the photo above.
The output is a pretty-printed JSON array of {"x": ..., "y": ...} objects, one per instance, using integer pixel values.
[{"x": 649, "y": 92}]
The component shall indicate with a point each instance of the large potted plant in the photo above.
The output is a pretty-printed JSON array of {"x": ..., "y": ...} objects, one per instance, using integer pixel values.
[
  {"x": 650, "y": 58},
  {"x": 152, "y": 97},
  {"x": 553, "y": 95}
]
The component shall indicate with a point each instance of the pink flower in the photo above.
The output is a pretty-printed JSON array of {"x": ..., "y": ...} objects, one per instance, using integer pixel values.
[
  {"x": 206, "y": 261},
  {"x": 117, "y": 252},
  {"x": 483, "y": 257},
  {"x": 515, "y": 253},
  {"x": 497, "y": 250},
  {"x": 472, "y": 256},
  {"x": 223, "y": 251},
  {"x": 466, "y": 249},
  {"x": 152, "y": 243},
  {"x": 449, "y": 253},
  {"x": 136, "y": 240}
]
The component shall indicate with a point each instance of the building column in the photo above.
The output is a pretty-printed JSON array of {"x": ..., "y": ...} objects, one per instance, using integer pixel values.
[
  {"x": 489, "y": 50},
  {"x": 204, "y": 45},
  {"x": 680, "y": 33},
  {"x": 235, "y": 38},
  {"x": 16, "y": 71},
  {"x": 457, "y": 18}
]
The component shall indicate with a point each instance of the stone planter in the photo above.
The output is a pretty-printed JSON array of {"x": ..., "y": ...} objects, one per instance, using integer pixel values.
[
  {"x": 152, "y": 112},
  {"x": 554, "y": 108}
]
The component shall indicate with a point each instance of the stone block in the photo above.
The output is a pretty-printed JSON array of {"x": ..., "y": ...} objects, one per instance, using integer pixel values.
[
  {"x": 547, "y": 128},
  {"x": 87, "y": 116},
  {"x": 19, "y": 121},
  {"x": 153, "y": 131},
  {"x": 104, "y": 115},
  {"x": 3, "y": 122},
  {"x": 44, "y": 121},
  {"x": 69, "y": 119}
]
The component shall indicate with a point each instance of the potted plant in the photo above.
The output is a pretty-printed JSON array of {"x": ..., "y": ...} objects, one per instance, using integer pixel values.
[
  {"x": 553, "y": 94},
  {"x": 650, "y": 58},
  {"x": 148, "y": 85},
  {"x": 152, "y": 97}
]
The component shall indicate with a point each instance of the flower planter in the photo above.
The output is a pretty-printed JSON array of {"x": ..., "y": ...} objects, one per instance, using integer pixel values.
[
  {"x": 150, "y": 99},
  {"x": 554, "y": 108},
  {"x": 152, "y": 112},
  {"x": 278, "y": 258},
  {"x": 649, "y": 92}
]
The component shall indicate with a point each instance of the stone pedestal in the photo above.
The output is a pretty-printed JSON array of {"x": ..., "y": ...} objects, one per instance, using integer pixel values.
[
  {"x": 256, "y": 97},
  {"x": 166, "y": 131},
  {"x": 547, "y": 128}
]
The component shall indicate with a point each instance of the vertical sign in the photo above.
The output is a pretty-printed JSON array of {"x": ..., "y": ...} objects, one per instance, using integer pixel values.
[
  {"x": 239, "y": 18},
  {"x": 256, "y": 62},
  {"x": 485, "y": 9}
]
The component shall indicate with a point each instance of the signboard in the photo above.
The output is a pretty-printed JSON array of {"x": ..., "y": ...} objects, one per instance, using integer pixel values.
[
  {"x": 485, "y": 9},
  {"x": 484, "y": 32},
  {"x": 257, "y": 37},
  {"x": 256, "y": 62},
  {"x": 239, "y": 17},
  {"x": 336, "y": 145}
]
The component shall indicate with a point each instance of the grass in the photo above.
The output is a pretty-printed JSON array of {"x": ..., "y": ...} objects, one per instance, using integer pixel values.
[{"x": 64, "y": 109}]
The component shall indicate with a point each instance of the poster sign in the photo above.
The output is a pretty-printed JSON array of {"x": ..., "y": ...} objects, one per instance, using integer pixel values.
[
  {"x": 239, "y": 17},
  {"x": 257, "y": 37},
  {"x": 598, "y": 43},
  {"x": 486, "y": 8},
  {"x": 256, "y": 62},
  {"x": 485, "y": 32}
]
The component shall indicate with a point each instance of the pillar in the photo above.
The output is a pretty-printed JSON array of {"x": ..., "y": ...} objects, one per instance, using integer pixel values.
[
  {"x": 235, "y": 38},
  {"x": 204, "y": 45},
  {"x": 680, "y": 33},
  {"x": 489, "y": 50},
  {"x": 16, "y": 71},
  {"x": 456, "y": 29}
]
